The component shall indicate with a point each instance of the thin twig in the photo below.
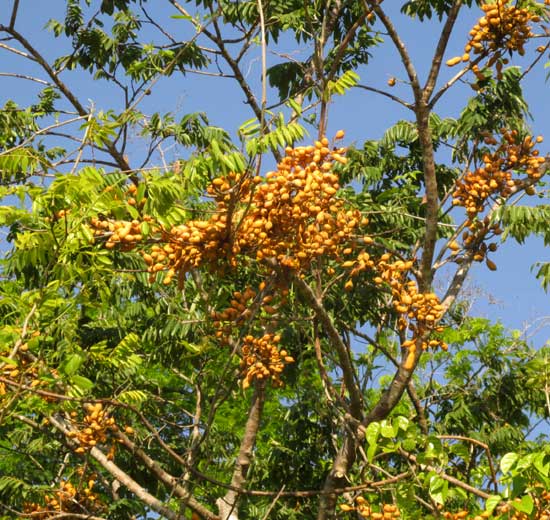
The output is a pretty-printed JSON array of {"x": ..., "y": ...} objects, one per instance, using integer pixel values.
[
  {"x": 14, "y": 13},
  {"x": 397, "y": 99},
  {"x": 24, "y": 76}
]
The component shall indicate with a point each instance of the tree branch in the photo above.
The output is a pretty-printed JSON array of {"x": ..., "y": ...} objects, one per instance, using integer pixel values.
[
  {"x": 397, "y": 99},
  {"x": 444, "y": 476},
  {"x": 169, "y": 480},
  {"x": 154, "y": 503},
  {"x": 432, "y": 200},
  {"x": 14, "y": 13},
  {"x": 117, "y": 156},
  {"x": 227, "y": 505},
  {"x": 345, "y": 362},
  {"x": 399, "y": 45},
  {"x": 24, "y": 76},
  {"x": 440, "y": 49}
]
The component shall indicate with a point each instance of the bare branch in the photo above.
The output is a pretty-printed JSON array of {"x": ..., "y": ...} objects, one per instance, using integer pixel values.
[
  {"x": 228, "y": 504},
  {"x": 399, "y": 45},
  {"x": 44, "y": 130},
  {"x": 14, "y": 13},
  {"x": 397, "y": 99},
  {"x": 344, "y": 359},
  {"x": 169, "y": 480},
  {"x": 24, "y": 76},
  {"x": 15, "y": 51},
  {"x": 440, "y": 49}
]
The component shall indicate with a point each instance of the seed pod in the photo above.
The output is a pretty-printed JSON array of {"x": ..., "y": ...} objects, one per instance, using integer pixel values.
[
  {"x": 491, "y": 265},
  {"x": 454, "y": 61}
]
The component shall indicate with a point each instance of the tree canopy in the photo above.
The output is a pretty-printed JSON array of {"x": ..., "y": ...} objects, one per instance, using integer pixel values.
[{"x": 266, "y": 320}]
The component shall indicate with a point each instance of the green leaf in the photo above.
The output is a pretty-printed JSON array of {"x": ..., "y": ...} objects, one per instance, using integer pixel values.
[
  {"x": 540, "y": 465},
  {"x": 387, "y": 430},
  {"x": 83, "y": 383},
  {"x": 508, "y": 461},
  {"x": 73, "y": 364},
  {"x": 492, "y": 502},
  {"x": 371, "y": 451},
  {"x": 401, "y": 422},
  {"x": 373, "y": 430},
  {"x": 525, "y": 505},
  {"x": 439, "y": 489}
]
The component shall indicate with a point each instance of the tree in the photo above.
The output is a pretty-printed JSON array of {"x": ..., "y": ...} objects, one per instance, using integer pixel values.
[{"x": 246, "y": 326}]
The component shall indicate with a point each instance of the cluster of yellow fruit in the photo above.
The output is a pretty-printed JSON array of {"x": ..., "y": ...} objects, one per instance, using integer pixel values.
[
  {"x": 504, "y": 28},
  {"x": 22, "y": 370},
  {"x": 495, "y": 177},
  {"x": 187, "y": 246},
  {"x": 387, "y": 511},
  {"x": 462, "y": 515},
  {"x": 93, "y": 430},
  {"x": 419, "y": 312},
  {"x": 67, "y": 499},
  {"x": 130, "y": 195},
  {"x": 291, "y": 216},
  {"x": 363, "y": 262},
  {"x": 8, "y": 371},
  {"x": 235, "y": 315},
  {"x": 118, "y": 232},
  {"x": 474, "y": 240},
  {"x": 261, "y": 359},
  {"x": 294, "y": 216}
]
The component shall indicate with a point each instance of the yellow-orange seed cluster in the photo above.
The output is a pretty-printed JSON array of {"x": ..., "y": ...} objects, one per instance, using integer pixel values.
[
  {"x": 294, "y": 216},
  {"x": 495, "y": 177},
  {"x": 22, "y": 370},
  {"x": 187, "y": 246},
  {"x": 93, "y": 430},
  {"x": 68, "y": 498},
  {"x": 419, "y": 312},
  {"x": 118, "y": 232},
  {"x": 262, "y": 359},
  {"x": 503, "y": 28},
  {"x": 291, "y": 216},
  {"x": 462, "y": 515},
  {"x": 386, "y": 512}
]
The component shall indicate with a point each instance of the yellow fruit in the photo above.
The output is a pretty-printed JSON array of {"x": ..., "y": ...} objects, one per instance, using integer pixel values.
[{"x": 454, "y": 61}]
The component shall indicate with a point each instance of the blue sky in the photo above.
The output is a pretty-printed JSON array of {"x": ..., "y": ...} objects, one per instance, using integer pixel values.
[{"x": 511, "y": 294}]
